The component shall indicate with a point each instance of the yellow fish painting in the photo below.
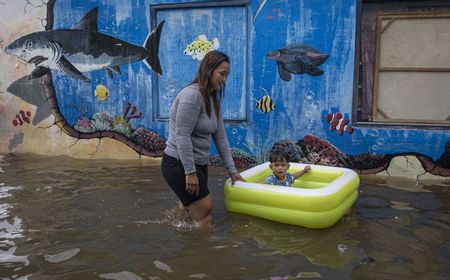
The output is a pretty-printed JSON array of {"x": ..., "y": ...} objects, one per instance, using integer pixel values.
[
  {"x": 101, "y": 92},
  {"x": 201, "y": 46},
  {"x": 265, "y": 104}
]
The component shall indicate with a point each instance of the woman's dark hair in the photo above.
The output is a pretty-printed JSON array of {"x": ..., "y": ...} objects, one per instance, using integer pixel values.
[
  {"x": 278, "y": 156},
  {"x": 210, "y": 62}
]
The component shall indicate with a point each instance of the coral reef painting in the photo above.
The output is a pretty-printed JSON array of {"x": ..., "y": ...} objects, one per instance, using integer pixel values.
[{"x": 313, "y": 150}]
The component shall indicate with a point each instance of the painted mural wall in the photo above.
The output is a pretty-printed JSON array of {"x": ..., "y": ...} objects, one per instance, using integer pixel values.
[{"x": 95, "y": 79}]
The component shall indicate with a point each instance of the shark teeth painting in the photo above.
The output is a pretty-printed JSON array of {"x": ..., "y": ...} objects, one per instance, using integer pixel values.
[{"x": 83, "y": 49}]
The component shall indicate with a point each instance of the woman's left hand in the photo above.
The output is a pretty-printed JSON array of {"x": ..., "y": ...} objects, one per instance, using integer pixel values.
[{"x": 236, "y": 177}]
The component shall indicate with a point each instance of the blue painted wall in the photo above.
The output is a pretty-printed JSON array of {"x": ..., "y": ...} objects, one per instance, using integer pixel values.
[{"x": 301, "y": 104}]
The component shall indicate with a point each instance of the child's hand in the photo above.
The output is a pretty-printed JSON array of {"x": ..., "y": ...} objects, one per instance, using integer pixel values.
[{"x": 300, "y": 172}]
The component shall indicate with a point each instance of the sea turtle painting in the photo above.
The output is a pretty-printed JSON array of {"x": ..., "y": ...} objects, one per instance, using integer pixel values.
[{"x": 298, "y": 59}]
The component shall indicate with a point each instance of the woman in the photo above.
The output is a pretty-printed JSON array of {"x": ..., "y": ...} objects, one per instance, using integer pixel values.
[{"x": 194, "y": 118}]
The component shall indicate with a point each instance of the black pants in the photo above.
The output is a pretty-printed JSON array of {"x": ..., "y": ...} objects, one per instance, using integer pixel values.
[{"x": 173, "y": 171}]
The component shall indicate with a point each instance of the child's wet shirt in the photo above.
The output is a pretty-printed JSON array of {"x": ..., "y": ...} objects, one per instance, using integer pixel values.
[{"x": 273, "y": 180}]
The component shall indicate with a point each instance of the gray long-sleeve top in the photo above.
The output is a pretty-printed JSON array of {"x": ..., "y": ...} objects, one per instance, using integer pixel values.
[{"x": 190, "y": 131}]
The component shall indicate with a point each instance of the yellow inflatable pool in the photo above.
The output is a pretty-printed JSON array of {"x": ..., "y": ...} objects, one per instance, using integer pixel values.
[{"x": 317, "y": 199}]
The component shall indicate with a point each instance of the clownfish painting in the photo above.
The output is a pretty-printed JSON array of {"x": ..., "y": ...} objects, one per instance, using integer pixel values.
[
  {"x": 265, "y": 104},
  {"x": 21, "y": 119},
  {"x": 338, "y": 123}
]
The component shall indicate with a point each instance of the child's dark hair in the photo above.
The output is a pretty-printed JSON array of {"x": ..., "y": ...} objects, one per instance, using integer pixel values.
[{"x": 278, "y": 156}]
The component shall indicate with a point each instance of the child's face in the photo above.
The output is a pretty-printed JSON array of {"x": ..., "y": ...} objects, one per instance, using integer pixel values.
[{"x": 279, "y": 168}]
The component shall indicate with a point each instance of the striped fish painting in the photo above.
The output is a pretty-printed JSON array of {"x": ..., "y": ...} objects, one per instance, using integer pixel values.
[{"x": 265, "y": 104}]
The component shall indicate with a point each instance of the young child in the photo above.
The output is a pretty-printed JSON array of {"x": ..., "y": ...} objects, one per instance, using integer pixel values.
[{"x": 279, "y": 163}]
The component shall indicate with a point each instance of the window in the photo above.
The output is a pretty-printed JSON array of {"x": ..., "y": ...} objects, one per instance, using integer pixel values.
[
  {"x": 225, "y": 22},
  {"x": 404, "y": 62}
]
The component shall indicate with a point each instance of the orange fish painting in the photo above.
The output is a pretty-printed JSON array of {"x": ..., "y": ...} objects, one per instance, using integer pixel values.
[{"x": 338, "y": 124}]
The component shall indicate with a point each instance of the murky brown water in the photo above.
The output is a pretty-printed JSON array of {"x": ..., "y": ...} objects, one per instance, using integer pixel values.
[{"x": 62, "y": 218}]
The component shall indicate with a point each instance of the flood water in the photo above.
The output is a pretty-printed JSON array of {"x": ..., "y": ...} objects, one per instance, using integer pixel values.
[{"x": 62, "y": 218}]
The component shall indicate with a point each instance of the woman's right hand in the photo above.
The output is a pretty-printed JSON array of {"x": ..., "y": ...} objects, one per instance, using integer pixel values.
[
  {"x": 236, "y": 177},
  {"x": 192, "y": 186}
]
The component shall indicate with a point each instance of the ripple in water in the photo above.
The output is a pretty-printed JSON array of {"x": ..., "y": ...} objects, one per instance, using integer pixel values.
[
  {"x": 162, "y": 266},
  {"x": 10, "y": 231},
  {"x": 62, "y": 257},
  {"x": 123, "y": 275},
  {"x": 175, "y": 218}
]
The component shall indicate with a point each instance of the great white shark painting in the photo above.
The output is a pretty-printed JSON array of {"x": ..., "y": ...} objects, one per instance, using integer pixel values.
[{"x": 83, "y": 49}]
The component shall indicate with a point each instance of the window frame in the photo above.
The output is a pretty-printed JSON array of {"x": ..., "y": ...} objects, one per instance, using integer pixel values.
[
  {"x": 154, "y": 8},
  {"x": 359, "y": 79}
]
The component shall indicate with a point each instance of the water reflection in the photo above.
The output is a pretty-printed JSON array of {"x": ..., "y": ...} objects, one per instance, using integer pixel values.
[
  {"x": 10, "y": 229},
  {"x": 61, "y": 257},
  {"x": 123, "y": 275},
  {"x": 328, "y": 247}
]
